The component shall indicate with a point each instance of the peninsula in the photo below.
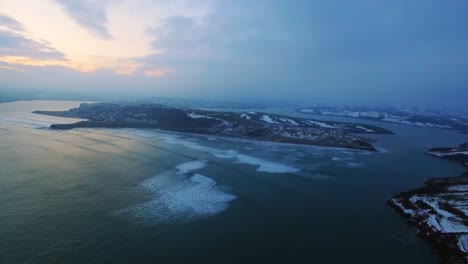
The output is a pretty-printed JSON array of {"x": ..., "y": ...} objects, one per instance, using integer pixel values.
[
  {"x": 459, "y": 153},
  {"x": 246, "y": 125}
]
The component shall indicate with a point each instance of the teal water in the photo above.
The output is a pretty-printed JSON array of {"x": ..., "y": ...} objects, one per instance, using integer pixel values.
[{"x": 117, "y": 196}]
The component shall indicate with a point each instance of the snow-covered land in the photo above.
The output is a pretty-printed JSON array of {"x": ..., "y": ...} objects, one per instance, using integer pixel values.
[
  {"x": 459, "y": 153},
  {"x": 268, "y": 119},
  {"x": 405, "y": 116},
  {"x": 463, "y": 243},
  {"x": 320, "y": 124},
  {"x": 440, "y": 211}
]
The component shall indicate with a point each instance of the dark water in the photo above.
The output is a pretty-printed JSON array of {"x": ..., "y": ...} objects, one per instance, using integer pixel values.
[{"x": 116, "y": 196}]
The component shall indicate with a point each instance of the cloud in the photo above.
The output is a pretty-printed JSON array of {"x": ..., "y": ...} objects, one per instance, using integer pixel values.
[
  {"x": 6, "y": 66},
  {"x": 158, "y": 72},
  {"x": 15, "y": 43},
  {"x": 11, "y": 23},
  {"x": 89, "y": 14},
  {"x": 313, "y": 51}
]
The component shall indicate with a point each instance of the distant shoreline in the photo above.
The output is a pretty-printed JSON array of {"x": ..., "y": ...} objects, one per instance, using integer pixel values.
[{"x": 391, "y": 117}]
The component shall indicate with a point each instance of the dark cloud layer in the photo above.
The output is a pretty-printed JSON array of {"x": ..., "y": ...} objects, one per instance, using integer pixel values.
[{"x": 336, "y": 51}]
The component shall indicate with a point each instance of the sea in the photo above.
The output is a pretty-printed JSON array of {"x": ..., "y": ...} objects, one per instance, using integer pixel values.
[{"x": 152, "y": 196}]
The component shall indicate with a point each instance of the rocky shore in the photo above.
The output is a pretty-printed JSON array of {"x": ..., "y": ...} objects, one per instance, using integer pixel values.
[
  {"x": 439, "y": 210},
  {"x": 459, "y": 153}
]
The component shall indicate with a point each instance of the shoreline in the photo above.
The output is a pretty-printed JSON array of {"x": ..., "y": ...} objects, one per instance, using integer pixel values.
[
  {"x": 248, "y": 125},
  {"x": 436, "y": 210},
  {"x": 71, "y": 126}
]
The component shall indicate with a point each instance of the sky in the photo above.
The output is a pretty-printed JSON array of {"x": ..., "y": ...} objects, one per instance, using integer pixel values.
[{"x": 389, "y": 52}]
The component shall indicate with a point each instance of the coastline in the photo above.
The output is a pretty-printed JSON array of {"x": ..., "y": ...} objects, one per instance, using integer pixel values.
[
  {"x": 438, "y": 211},
  {"x": 248, "y": 125}
]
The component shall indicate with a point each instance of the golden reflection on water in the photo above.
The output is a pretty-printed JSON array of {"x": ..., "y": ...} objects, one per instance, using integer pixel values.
[{"x": 29, "y": 151}]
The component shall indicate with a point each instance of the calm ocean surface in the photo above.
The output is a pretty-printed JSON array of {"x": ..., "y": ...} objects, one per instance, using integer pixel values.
[{"x": 147, "y": 196}]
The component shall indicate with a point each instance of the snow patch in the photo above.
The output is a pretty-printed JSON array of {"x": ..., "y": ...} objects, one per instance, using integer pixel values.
[
  {"x": 320, "y": 124},
  {"x": 463, "y": 243},
  {"x": 458, "y": 188},
  {"x": 365, "y": 129},
  {"x": 196, "y": 116},
  {"x": 445, "y": 221},
  {"x": 406, "y": 211},
  {"x": 432, "y": 221},
  {"x": 290, "y": 121},
  {"x": 245, "y": 116},
  {"x": 443, "y": 154},
  {"x": 268, "y": 119}
]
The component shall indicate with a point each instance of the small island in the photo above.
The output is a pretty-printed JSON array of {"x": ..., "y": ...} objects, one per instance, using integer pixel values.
[
  {"x": 459, "y": 153},
  {"x": 246, "y": 125},
  {"x": 440, "y": 209}
]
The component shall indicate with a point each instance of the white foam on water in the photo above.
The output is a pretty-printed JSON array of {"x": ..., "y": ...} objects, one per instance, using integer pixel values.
[
  {"x": 190, "y": 166},
  {"x": 319, "y": 176},
  {"x": 300, "y": 154},
  {"x": 266, "y": 166},
  {"x": 201, "y": 197},
  {"x": 226, "y": 154},
  {"x": 382, "y": 150},
  {"x": 177, "y": 197},
  {"x": 263, "y": 165},
  {"x": 354, "y": 164}
]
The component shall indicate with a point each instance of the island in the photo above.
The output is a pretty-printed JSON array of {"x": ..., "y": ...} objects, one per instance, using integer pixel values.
[
  {"x": 440, "y": 209},
  {"x": 459, "y": 153},
  {"x": 246, "y": 125}
]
